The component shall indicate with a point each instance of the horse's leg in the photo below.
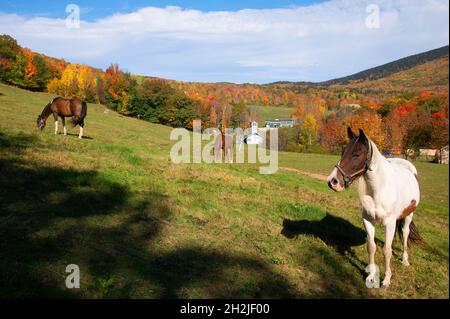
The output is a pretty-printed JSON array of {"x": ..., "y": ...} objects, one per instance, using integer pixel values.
[
  {"x": 225, "y": 154},
  {"x": 218, "y": 151},
  {"x": 390, "y": 232},
  {"x": 371, "y": 248},
  {"x": 55, "y": 116},
  {"x": 405, "y": 231},
  {"x": 81, "y": 130},
  {"x": 64, "y": 124}
]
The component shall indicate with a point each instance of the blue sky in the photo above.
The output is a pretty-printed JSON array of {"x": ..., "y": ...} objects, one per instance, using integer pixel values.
[
  {"x": 234, "y": 41},
  {"x": 93, "y": 10}
]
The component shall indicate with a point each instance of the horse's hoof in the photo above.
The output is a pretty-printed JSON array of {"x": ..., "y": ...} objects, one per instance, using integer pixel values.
[
  {"x": 385, "y": 286},
  {"x": 372, "y": 281},
  {"x": 405, "y": 263}
]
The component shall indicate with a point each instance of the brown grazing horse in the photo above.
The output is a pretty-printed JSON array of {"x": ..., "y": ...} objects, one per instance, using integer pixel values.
[
  {"x": 63, "y": 108},
  {"x": 224, "y": 143}
]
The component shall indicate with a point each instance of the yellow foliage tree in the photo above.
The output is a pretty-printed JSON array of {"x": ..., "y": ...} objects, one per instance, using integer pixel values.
[
  {"x": 309, "y": 129},
  {"x": 76, "y": 81}
]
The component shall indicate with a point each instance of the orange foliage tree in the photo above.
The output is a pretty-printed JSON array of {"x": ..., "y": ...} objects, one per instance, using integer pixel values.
[
  {"x": 333, "y": 134},
  {"x": 370, "y": 122},
  {"x": 30, "y": 69}
]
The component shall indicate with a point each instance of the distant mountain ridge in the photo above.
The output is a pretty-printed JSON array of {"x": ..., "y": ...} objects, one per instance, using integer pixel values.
[{"x": 384, "y": 70}]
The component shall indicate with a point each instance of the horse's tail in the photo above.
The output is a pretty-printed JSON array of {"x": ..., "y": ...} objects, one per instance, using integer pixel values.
[
  {"x": 76, "y": 120},
  {"x": 414, "y": 235}
]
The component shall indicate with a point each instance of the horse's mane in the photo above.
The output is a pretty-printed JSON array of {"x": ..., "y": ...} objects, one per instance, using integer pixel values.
[
  {"x": 46, "y": 111},
  {"x": 397, "y": 161}
]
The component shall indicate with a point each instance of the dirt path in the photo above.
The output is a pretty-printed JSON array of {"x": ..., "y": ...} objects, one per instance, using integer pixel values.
[{"x": 319, "y": 177}]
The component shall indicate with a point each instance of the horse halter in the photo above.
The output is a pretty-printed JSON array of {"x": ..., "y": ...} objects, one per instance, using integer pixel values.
[{"x": 348, "y": 179}]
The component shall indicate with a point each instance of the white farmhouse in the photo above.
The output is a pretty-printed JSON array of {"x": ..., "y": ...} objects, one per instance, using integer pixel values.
[{"x": 254, "y": 138}]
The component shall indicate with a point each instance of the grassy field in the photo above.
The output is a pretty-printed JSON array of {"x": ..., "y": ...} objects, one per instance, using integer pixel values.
[
  {"x": 140, "y": 226},
  {"x": 268, "y": 112}
]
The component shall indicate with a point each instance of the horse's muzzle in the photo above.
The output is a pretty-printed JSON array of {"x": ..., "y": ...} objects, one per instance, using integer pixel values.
[{"x": 335, "y": 184}]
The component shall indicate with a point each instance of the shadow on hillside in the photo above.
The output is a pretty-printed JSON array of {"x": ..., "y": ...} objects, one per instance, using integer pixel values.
[
  {"x": 51, "y": 217},
  {"x": 16, "y": 142},
  {"x": 33, "y": 200}
]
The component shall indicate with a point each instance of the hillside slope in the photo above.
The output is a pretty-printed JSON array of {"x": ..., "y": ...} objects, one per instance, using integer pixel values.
[
  {"x": 387, "y": 69},
  {"x": 139, "y": 226},
  {"x": 429, "y": 76}
]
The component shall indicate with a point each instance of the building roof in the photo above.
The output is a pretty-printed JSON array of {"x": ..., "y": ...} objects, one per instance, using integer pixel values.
[{"x": 277, "y": 120}]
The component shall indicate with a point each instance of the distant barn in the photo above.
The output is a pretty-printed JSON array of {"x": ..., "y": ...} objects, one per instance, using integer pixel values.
[
  {"x": 279, "y": 123},
  {"x": 442, "y": 155}
]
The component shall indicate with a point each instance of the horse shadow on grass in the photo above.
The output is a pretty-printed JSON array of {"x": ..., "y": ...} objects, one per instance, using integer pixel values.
[
  {"x": 335, "y": 232},
  {"x": 85, "y": 137},
  {"x": 54, "y": 216},
  {"x": 332, "y": 230}
]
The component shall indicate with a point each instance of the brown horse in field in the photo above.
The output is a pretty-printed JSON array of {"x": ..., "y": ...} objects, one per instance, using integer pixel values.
[
  {"x": 224, "y": 143},
  {"x": 63, "y": 108}
]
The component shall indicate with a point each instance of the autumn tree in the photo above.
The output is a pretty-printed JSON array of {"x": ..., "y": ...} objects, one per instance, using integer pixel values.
[
  {"x": 8, "y": 52},
  {"x": 333, "y": 134},
  {"x": 117, "y": 87},
  {"x": 439, "y": 131},
  {"x": 76, "y": 81},
  {"x": 299, "y": 111},
  {"x": 156, "y": 101},
  {"x": 395, "y": 132},
  {"x": 238, "y": 114},
  {"x": 419, "y": 134},
  {"x": 18, "y": 69},
  {"x": 309, "y": 129},
  {"x": 370, "y": 122}
]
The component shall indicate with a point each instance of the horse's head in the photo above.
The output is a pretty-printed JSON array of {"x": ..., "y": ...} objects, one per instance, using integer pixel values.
[
  {"x": 40, "y": 122},
  {"x": 354, "y": 161}
]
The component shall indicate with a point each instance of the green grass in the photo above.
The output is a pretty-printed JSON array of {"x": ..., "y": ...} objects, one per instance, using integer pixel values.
[
  {"x": 268, "y": 112},
  {"x": 140, "y": 226}
]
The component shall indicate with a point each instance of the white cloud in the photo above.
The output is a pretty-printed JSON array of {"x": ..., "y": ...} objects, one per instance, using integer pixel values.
[{"x": 315, "y": 42}]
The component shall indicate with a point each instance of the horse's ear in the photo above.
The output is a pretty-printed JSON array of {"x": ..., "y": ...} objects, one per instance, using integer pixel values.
[
  {"x": 362, "y": 137},
  {"x": 350, "y": 133}
]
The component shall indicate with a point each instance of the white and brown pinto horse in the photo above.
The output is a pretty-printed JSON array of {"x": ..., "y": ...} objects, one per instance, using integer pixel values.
[
  {"x": 388, "y": 192},
  {"x": 75, "y": 108}
]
